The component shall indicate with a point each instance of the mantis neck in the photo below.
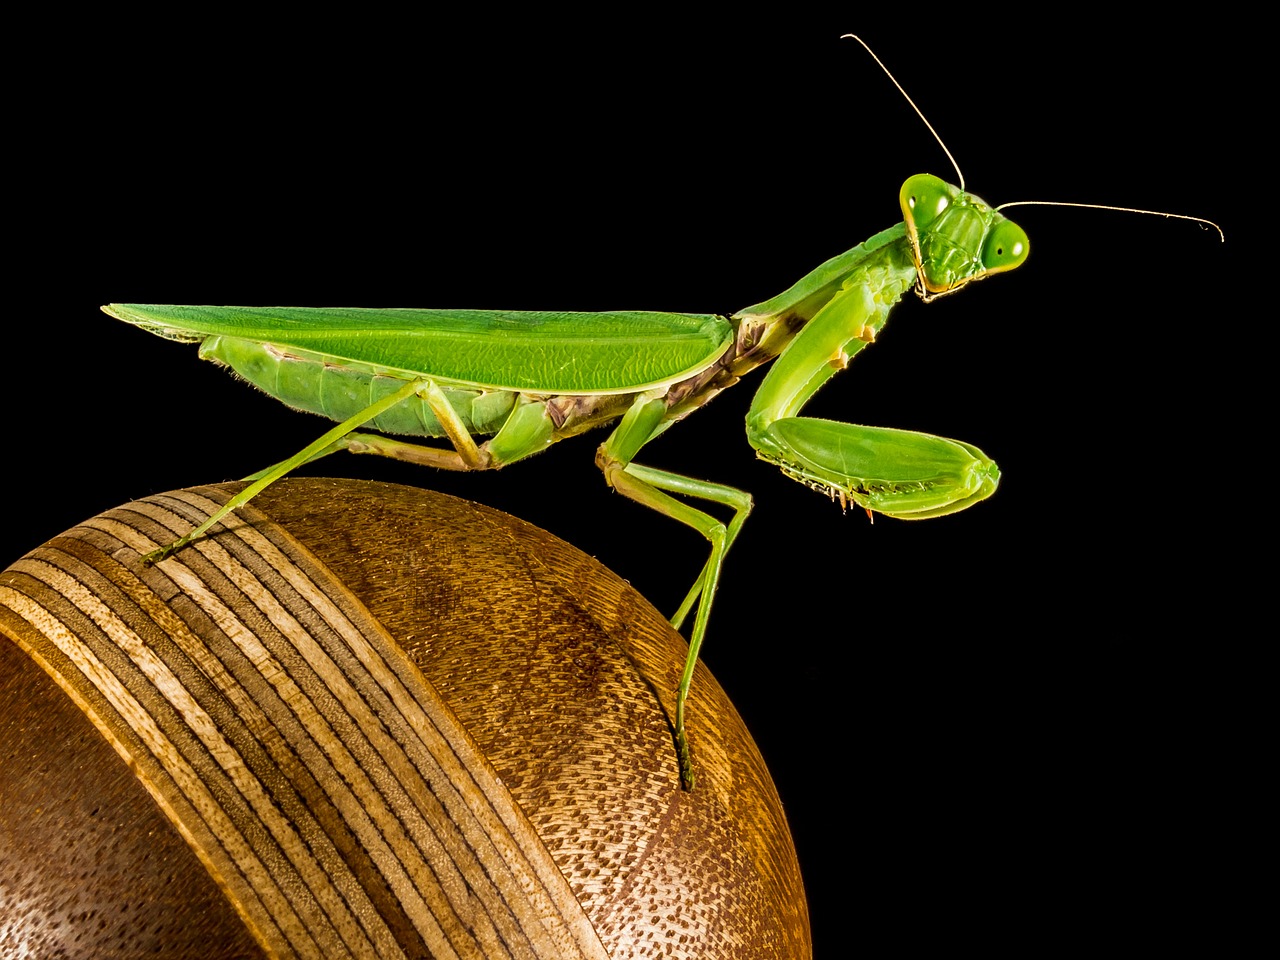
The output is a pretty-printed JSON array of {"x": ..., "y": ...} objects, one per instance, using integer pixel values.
[{"x": 881, "y": 269}]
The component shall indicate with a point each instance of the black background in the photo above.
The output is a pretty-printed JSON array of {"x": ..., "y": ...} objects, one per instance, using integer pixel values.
[{"x": 1017, "y": 722}]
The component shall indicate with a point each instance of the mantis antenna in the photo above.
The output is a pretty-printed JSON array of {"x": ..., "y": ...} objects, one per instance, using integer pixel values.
[
  {"x": 919, "y": 112},
  {"x": 1102, "y": 206},
  {"x": 1021, "y": 203}
]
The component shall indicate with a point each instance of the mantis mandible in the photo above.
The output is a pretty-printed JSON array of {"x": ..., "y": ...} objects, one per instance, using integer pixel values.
[{"x": 527, "y": 380}]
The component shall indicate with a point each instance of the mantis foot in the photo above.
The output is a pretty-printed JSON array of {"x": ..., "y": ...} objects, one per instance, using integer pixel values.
[
  {"x": 163, "y": 553},
  {"x": 687, "y": 778}
]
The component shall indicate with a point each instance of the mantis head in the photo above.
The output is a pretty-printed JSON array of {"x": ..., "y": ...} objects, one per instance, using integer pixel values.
[{"x": 956, "y": 237}]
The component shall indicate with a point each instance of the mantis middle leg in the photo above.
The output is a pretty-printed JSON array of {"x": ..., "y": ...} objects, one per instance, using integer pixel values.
[{"x": 654, "y": 488}]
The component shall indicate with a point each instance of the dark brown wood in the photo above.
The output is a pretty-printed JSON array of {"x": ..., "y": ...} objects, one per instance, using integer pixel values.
[{"x": 367, "y": 701}]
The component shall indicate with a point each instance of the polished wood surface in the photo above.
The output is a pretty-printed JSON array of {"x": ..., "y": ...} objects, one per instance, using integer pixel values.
[{"x": 367, "y": 720}]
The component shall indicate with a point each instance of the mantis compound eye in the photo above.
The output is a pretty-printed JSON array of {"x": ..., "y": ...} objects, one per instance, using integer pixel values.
[
  {"x": 1006, "y": 247},
  {"x": 924, "y": 197}
]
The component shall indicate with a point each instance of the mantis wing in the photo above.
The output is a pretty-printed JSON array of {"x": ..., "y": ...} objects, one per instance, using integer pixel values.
[{"x": 545, "y": 353}]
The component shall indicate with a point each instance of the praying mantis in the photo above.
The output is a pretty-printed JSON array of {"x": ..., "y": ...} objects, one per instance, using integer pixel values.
[
  {"x": 1070, "y": 371},
  {"x": 528, "y": 379},
  {"x": 849, "y": 202}
]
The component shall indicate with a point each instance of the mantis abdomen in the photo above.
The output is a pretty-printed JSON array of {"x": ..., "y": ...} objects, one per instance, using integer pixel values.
[{"x": 340, "y": 391}]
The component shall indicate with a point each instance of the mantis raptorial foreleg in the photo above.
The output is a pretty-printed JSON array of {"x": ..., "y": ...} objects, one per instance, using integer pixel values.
[{"x": 899, "y": 473}]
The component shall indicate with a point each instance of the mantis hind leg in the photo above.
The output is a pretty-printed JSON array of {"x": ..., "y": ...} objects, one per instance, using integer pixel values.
[
  {"x": 653, "y": 488},
  {"x": 526, "y": 431},
  {"x": 379, "y": 445},
  {"x": 264, "y": 478}
]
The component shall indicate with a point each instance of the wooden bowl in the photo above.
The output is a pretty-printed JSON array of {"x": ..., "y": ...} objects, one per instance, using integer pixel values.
[{"x": 372, "y": 721}]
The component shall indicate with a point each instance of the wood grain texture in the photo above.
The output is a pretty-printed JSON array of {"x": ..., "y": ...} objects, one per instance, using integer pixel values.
[{"x": 386, "y": 723}]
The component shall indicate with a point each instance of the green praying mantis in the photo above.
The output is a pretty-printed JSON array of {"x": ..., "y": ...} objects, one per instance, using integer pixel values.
[{"x": 526, "y": 380}]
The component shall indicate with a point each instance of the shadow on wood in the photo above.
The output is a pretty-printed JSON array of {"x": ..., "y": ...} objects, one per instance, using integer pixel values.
[{"x": 373, "y": 721}]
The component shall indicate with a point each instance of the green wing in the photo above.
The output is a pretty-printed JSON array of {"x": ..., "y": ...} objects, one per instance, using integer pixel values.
[{"x": 573, "y": 353}]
